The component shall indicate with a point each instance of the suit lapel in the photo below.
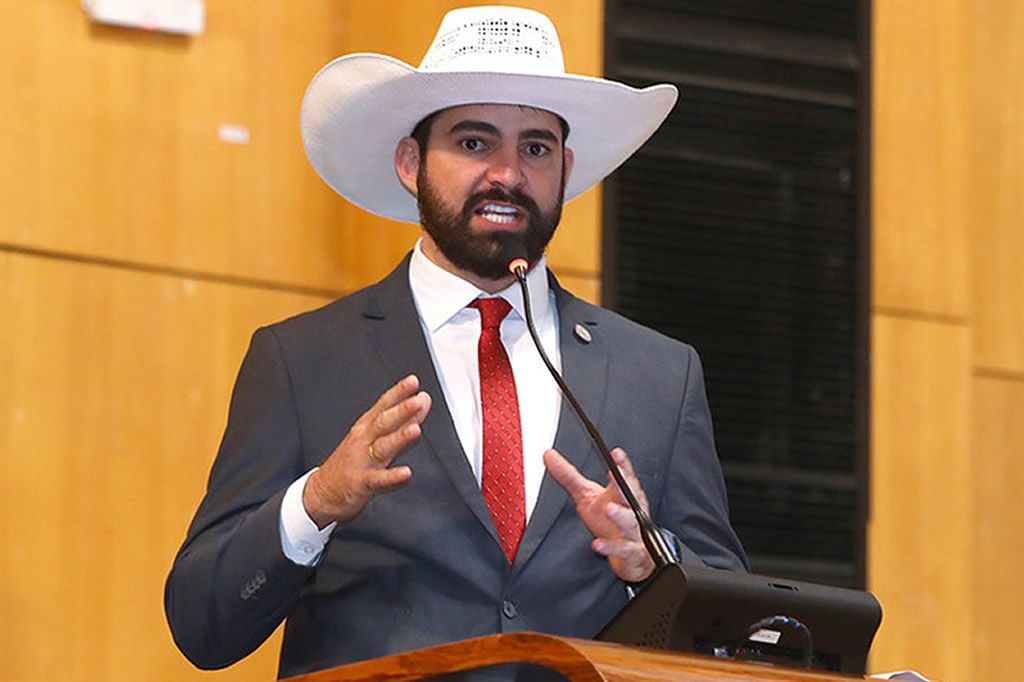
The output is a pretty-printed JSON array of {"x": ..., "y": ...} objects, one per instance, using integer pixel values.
[
  {"x": 397, "y": 335},
  {"x": 585, "y": 369}
]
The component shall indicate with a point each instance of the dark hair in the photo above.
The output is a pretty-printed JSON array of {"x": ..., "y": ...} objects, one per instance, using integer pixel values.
[{"x": 421, "y": 131}]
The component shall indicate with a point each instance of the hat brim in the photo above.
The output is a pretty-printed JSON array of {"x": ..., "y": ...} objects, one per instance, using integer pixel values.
[{"x": 359, "y": 106}]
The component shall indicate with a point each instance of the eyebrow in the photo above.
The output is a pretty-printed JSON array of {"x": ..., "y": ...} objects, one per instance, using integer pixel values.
[
  {"x": 470, "y": 125},
  {"x": 539, "y": 134}
]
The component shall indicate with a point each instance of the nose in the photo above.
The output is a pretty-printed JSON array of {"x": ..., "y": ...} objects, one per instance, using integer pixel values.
[{"x": 505, "y": 170}]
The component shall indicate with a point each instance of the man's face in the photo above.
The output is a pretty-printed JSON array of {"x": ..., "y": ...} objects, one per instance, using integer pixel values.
[{"x": 491, "y": 183}]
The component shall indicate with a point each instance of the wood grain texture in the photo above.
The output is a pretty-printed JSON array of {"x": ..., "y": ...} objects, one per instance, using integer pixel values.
[
  {"x": 587, "y": 288},
  {"x": 919, "y": 156},
  {"x": 115, "y": 392},
  {"x": 997, "y": 484},
  {"x": 920, "y": 564},
  {"x": 578, "y": 660},
  {"x": 949, "y": 252},
  {"x": 996, "y": 105},
  {"x": 111, "y": 148}
]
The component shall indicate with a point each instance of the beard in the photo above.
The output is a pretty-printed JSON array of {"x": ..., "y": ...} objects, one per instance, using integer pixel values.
[{"x": 486, "y": 255}]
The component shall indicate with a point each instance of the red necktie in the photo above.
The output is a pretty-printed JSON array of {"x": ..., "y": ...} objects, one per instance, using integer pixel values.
[{"x": 502, "y": 479}]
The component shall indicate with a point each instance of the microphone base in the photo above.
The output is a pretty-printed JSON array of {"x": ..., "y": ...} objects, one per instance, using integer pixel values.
[
  {"x": 710, "y": 611},
  {"x": 649, "y": 619}
]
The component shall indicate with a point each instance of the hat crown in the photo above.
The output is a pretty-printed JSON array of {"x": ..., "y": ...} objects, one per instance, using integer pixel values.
[{"x": 495, "y": 39}]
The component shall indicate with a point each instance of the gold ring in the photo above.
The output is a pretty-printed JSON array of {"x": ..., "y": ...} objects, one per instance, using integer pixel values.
[{"x": 373, "y": 455}]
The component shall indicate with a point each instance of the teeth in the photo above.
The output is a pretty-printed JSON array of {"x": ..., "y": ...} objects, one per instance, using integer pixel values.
[
  {"x": 497, "y": 213},
  {"x": 495, "y": 208},
  {"x": 502, "y": 218}
]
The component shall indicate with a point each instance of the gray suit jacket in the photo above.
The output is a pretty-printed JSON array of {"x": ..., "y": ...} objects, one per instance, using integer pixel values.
[{"x": 423, "y": 565}]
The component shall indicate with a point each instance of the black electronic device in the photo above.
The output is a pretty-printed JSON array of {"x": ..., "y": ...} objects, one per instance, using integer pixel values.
[{"x": 750, "y": 617}]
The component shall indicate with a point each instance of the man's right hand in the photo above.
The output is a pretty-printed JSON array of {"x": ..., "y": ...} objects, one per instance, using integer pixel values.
[{"x": 358, "y": 468}]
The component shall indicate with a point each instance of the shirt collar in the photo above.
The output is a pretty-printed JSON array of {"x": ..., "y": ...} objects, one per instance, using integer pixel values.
[{"x": 440, "y": 295}]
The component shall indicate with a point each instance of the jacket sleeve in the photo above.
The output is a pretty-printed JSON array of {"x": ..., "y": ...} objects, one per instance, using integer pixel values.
[
  {"x": 694, "y": 505},
  {"x": 231, "y": 584}
]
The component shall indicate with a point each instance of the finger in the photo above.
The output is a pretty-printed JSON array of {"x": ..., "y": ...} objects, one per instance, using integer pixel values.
[
  {"x": 387, "y": 447},
  {"x": 367, "y": 427},
  {"x": 625, "y": 466},
  {"x": 412, "y": 409},
  {"x": 623, "y": 462},
  {"x": 394, "y": 395},
  {"x": 387, "y": 479},
  {"x": 624, "y": 520},
  {"x": 566, "y": 475},
  {"x": 628, "y": 550}
]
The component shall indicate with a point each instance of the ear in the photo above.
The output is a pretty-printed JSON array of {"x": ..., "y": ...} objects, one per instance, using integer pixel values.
[
  {"x": 407, "y": 163},
  {"x": 568, "y": 158}
]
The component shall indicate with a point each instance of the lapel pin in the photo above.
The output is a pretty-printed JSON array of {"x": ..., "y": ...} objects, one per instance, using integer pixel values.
[{"x": 583, "y": 334}]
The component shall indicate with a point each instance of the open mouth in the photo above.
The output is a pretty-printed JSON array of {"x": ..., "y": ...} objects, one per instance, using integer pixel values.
[{"x": 502, "y": 214}]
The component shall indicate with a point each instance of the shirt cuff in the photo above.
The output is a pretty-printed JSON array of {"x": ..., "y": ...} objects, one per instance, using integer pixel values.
[{"x": 302, "y": 542}]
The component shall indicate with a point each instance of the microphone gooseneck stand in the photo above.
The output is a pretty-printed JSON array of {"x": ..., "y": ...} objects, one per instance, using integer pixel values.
[{"x": 652, "y": 538}]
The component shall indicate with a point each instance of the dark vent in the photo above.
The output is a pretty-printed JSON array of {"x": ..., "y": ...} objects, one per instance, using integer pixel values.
[
  {"x": 827, "y": 17},
  {"x": 657, "y": 634},
  {"x": 740, "y": 228}
]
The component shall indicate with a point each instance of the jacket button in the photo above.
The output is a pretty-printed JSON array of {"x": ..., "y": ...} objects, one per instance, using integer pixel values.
[
  {"x": 252, "y": 587},
  {"x": 508, "y": 607}
]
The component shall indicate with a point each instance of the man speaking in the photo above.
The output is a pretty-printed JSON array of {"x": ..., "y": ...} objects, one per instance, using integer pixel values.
[{"x": 398, "y": 470}]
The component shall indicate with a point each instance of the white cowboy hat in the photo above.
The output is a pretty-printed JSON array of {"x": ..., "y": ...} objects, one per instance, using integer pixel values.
[{"x": 359, "y": 106}]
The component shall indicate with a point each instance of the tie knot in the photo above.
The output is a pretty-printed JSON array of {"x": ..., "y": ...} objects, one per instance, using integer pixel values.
[{"x": 492, "y": 311}]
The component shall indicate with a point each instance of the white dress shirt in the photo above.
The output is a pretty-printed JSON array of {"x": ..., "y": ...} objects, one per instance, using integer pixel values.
[{"x": 452, "y": 331}]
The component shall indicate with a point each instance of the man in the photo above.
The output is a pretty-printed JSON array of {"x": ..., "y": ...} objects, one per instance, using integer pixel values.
[{"x": 387, "y": 479}]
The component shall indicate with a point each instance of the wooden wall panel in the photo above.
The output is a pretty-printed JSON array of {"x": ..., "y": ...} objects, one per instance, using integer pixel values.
[
  {"x": 998, "y": 479},
  {"x": 997, "y": 189},
  {"x": 919, "y": 536},
  {"x": 919, "y": 160},
  {"x": 948, "y": 114},
  {"x": 116, "y": 386},
  {"x": 111, "y": 138},
  {"x": 587, "y": 288},
  {"x": 115, "y": 148}
]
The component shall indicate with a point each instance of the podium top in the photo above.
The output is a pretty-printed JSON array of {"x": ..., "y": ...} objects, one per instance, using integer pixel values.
[{"x": 578, "y": 660}]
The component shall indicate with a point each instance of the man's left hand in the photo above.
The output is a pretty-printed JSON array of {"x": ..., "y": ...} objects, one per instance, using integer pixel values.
[{"x": 604, "y": 512}]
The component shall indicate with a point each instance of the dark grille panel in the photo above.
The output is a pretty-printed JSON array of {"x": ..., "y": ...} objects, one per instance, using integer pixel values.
[
  {"x": 737, "y": 229},
  {"x": 830, "y": 17}
]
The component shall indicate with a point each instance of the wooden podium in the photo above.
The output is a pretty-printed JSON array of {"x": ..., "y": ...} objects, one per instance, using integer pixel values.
[{"x": 577, "y": 659}]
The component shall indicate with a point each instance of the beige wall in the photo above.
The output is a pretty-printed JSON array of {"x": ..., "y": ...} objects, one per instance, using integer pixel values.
[
  {"x": 948, "y": 337},
  {"x": 137, "y": 254}
]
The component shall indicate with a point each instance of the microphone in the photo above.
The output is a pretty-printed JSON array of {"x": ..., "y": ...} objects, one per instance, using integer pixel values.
[{"x": 653, "y": 540}]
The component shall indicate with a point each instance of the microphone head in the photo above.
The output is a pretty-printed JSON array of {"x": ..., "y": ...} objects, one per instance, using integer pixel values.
[{"x": 517, "y": 264}]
